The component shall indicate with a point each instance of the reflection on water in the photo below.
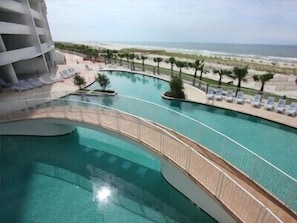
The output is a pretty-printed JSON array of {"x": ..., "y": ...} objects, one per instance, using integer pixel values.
[{"x": 39, "y": 173}]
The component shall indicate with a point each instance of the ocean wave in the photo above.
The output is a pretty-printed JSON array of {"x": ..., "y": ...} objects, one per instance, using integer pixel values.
[{"x": 251, "y": 51}]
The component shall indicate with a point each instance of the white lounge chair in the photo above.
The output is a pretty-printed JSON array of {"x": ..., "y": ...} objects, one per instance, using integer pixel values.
[
  {"x": 66, "y": 74},
  {"x": 256, "y": 102},
  {"x": 35, "y": 82},
  {"x": 281, "y": 106},
  {"x": 26, "y": 84},
  {"x": 239, "y": 97},
  {"x": 45, "y": 79},
  {"x": 210, "y": 93},
  {"x": 218, "y": 94},
  {"x": 229, "y": 96},
  {"x": 269, "y": 103},
  {"x": 56, "y": 78},
  {"x": 292, "y": 110}
]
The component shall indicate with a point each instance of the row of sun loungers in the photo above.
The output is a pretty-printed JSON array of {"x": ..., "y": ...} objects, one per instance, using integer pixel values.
[
  {"x": 270, "y": 104},
  {"x": 45, "y": 79}
]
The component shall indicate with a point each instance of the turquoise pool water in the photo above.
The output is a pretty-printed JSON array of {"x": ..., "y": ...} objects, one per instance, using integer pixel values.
[
  {"x": 274, "y": 142},
  {"x": 86, "y": 176}
]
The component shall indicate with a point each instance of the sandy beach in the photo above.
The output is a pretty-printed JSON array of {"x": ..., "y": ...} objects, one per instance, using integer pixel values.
[{"x": 282, "y": 84}]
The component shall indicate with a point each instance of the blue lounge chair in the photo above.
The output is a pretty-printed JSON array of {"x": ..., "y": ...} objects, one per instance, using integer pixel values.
[
  {"x": 35, "y": 82},
  {"x": 292, "y": 110},
  {"x": 281, "y": 106},
  {"x": 19, "y": 87},
  {"x": 269, "y": 103},
  {"x": 229, "y": 96},
  {"x": 210, "y": 93},
  {"x": 5, "y": 84},
  {"x": 256, "y": 102},
  {"x": 239, "y": 97},
  {"x": 218, "y": 94},
  {"x": 26, "y": 84}
]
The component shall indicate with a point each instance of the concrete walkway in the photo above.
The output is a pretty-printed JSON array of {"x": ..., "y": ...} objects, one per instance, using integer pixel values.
[{"x": 89, "y": 71}]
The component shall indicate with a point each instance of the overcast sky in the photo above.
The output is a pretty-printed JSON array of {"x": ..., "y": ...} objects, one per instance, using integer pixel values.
[{"x": 206, "y": 21}]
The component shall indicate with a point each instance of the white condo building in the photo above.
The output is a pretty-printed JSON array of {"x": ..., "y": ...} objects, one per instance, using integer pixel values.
[{"x": 26, "y": 45}]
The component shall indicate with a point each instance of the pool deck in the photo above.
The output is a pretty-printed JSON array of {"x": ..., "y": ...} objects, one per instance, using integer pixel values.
[{"x": 193, "y": 94}]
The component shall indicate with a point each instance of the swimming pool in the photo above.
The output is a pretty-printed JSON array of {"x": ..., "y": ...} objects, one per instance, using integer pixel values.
[
  {"x": 86, "y": 176},
  {"x": 259, "y": 136},
  {"x": 265, "y": 138}
]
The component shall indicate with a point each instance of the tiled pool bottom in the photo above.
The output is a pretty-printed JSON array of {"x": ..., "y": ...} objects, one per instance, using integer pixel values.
[{"x": 86, "y": 176}]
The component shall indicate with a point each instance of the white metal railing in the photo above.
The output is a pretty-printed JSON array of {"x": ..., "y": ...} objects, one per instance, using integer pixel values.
[
  {"x": 282, "y": 185},
  {"x": 218, "y": 183}
]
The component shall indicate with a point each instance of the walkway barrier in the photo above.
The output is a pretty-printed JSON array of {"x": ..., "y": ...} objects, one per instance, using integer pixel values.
[
  {"x": 271, "y": 178},
  {"x": 213, "y": 179}
]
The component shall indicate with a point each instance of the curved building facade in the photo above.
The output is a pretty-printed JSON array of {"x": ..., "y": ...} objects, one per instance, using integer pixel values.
[{"x": 26, "y": 45}]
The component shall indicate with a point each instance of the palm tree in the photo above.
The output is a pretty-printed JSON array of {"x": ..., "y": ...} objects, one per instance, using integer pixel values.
[
  {"x": 132, "y": 56},
  {"x": 196, "y": 65},
  {"x": 263, "y": 78},
  {"x": 176, "y": 88},
  {"x": 222, "y": 73},
  {"x": 121, "y": 56},
  {"x": 143, "y": 58},
  {"x": 180, "y": 64},
  {"x": 240, "y": 74},
  {"x": 172, "y": 61},
  {"x": 202, "y": 71},
  {"x": 103, "y": 81},
  {"x": 115, "y": 55},
  {"x": 158, "y": 60},
  {"x": 79, "y": 81}
]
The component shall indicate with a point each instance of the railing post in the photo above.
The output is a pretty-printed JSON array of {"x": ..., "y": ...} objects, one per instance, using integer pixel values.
[
  {"x": 98, "y": 116},
  {"x": 188, "y": 162},
  {"x": 162, "y": 143},
  {"x": 219, "y": 185},
  {"x": 260, "y": 215},
  {"x": 138, "y": 130},
  {"x": 118, "y": 121}
]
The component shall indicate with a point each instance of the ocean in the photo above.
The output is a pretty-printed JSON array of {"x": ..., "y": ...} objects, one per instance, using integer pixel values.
[{"x": 284, "y": 53}]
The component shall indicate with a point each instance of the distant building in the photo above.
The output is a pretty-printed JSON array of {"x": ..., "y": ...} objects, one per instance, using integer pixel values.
[{"x": 26, "y": 45}]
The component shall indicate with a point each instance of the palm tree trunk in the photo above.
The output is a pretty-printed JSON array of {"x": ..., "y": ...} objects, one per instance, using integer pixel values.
[
  {"x": 262, "y": 87},
  {"x": 143, "y": 65},
  {"x": 171, "y": 70},
  {"x": 180, "y": 72},
  {"x": 195, "y": 75},
  {"x": 220, "y": 80},
  {"x": 158, "y": 69}
]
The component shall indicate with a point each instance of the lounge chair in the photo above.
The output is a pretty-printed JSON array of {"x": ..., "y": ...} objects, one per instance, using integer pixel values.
[
  {"x": 218, "y": 94},
  {"x": 35, "y": 82},
  {"x": 19, "y": 87},
  {"x": 66, "y": 74},
  {"x": 281, "y": 106},
  {"x": 256, "y": 102},
  {"x": 292, "y": 110},
  {"x": 45, "y": 79},
  {"x": 56, "y": 78},
  {"x": 5, "y": 84},
  {"x": 239, "y": 98},
  {"x": 229, "y": 96},
  {"x": 210, "y": 93},
  {"x": 269, "y": 103},
  {"x": 26, "y": 84},
  {"x": 88, "y": 68}
]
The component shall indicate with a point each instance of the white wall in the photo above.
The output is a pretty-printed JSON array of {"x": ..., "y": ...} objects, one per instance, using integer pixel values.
[
  {"x": 187, "y": 187},
  {"x": 35, "y": 127}
]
